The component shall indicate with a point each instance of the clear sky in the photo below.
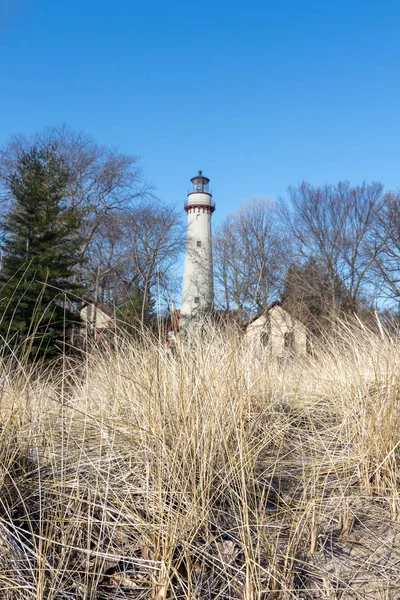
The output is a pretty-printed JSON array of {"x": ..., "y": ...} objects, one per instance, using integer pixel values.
[{"x": 258, "y": 94}]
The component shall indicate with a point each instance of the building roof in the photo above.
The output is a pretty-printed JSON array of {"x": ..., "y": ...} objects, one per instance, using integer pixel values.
[
  {"x": 107, "y": 310},
  {"x": 266, "y": 309}
]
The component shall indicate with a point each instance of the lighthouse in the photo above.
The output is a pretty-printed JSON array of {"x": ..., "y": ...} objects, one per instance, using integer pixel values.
[{"x": 198, "y": 285}]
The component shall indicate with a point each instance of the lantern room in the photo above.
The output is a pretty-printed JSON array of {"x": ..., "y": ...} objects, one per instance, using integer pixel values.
[{"x": 200, "y": 183}]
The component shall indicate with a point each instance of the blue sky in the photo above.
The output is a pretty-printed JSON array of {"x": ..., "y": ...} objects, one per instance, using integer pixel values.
[{"x": 260, "y": 95}]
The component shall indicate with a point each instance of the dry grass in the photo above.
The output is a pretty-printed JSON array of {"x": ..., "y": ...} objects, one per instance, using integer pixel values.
[{"x": 208, "y": 472}]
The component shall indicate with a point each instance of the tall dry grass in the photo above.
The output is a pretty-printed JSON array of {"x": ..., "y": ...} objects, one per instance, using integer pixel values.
[{"x": 210, "y": 471}]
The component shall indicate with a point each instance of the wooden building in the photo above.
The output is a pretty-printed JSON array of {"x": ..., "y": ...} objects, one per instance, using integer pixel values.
[
  {"x": 98, "y": 320},
  {"x": 277, "y": 330}
]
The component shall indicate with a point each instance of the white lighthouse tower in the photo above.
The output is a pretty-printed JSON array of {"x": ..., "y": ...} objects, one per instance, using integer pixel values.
[{"x": 198, "y": 285}]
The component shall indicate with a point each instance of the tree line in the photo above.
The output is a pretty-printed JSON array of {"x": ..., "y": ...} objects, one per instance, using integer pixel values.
[
  {"x": 325, "y": 250},
  {"x": 79, "y": 222}
]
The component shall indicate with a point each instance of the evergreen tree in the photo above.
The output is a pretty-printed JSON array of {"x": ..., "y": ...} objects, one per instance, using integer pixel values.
[
  {"x": 129, "y": 313},
  {"x": 40, "y": 252},
  {"x": 314, "y": 296}
]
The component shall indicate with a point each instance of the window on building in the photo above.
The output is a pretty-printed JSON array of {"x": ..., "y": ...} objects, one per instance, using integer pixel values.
[
  {"x": 197, "y": 300},
  {"x": 289, "y": 341},
  {"x": 265, "y": 337},
  {"x": 199, "y": 244}
]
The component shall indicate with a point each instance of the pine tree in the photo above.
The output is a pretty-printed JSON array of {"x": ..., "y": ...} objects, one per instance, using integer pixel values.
[
  {"x": 314, "y": 296},
  {"x": 129, "y": 313},
  {"x": 40, "y": 252}
]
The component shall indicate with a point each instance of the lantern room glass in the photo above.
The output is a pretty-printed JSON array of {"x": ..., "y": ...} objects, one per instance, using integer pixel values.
[{"x": 200, "y": 184}]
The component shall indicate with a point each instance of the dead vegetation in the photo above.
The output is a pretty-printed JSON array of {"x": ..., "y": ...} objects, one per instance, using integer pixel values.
[{"x": 208, "y": 472}]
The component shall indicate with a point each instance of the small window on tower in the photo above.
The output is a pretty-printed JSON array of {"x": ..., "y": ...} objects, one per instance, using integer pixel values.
[
  {"x": 199, "y": 244},
  {"x": 197, "y": 300}
]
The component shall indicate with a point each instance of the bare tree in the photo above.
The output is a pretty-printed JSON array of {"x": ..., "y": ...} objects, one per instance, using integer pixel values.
[
  {"x": 155, "y": 236},
  {"x": 250, "y": 255},
  {"x": 105, "y": 259},
  {"x": 135, "y": 250},
  {"x": 102, "y": 179},
  {"x": 387, "y": 264},
  {"x": 337, "y": 227},
  {"x": 130, "y": 240}
]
